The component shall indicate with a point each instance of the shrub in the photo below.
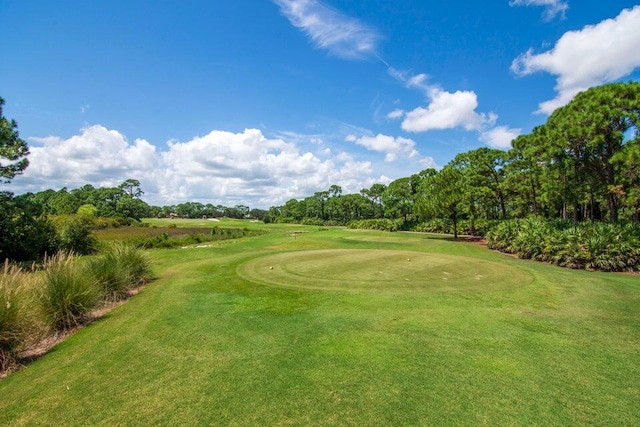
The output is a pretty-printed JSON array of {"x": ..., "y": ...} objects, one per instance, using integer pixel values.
[
  {"x": 502, "y": 236},
  {"x": 530, "y": 239},
  {"x": 75, "y": 234},
  {"x": 312, "y": 221},
  {"x": 594, "y": 246},
  {"x": 24, "y": 236},
  {"x": 67, "y": 294},
  {"x": 382, "y": 224},
  {"x": 437, "y": 225}
]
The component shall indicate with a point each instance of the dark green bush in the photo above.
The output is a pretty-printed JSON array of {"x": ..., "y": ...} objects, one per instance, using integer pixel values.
[
  {"x": 25, "y": 235},
  {"x": 375, "y": 224},
  {"x": 590, "y": 245},
  {"x": 75, "y": 234}
]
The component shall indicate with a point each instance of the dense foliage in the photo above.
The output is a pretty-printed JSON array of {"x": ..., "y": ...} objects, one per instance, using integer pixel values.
[
  {"x": 582, "y": 164},
  {"x": 13, "y": 149},
  {"x": 586, "y": 245},
  {"x": 38, "y": 305}
]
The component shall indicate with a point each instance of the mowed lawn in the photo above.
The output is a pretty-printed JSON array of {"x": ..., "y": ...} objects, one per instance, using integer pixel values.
[{"x": 313, "y": 326}]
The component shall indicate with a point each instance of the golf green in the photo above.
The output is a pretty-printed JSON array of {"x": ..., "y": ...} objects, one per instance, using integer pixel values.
[{"x": 380, "y": 271}]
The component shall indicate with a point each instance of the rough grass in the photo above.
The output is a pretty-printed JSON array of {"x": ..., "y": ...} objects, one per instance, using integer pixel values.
[
  {"x": 68, "y": 293},
  {"x": 118, "y": 270},
  {"x": 16, "y": 322},
  {"x": 205, "y": 345}
]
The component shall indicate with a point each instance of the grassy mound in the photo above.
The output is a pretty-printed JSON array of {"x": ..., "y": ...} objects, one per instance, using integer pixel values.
[{"x": 380, "y": 271}]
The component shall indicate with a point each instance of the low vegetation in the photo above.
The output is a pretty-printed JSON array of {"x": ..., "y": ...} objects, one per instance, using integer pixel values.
[
  {"x": 15, "y": 322},
  {"x": 118, "y": 270},
  {"x": 171, "y": 236},
  {"x": 67, "y": 293},
  {"x": 62, "y": 295},
  {"x": 592, "y": 246}
]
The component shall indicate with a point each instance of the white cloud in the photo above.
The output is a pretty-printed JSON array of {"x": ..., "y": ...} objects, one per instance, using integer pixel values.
[
  {"x": 500, "y": 137},
  {"x": 395, "y": 114},
  {"x": 328, "y": 29},
  {"x": 447, "y": 110},
  {"x": 418, "y": 81},
  {"x": 589, "y": 57},
  {"x": 97, "y": 155},
  {"x": 386, "y": 144},
  {"x": 553, "y": 7},
  {"x": 220, "y": 167}
]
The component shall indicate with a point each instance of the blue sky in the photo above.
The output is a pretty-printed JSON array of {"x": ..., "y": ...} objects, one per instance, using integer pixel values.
[{"x": 256, "y": 102}]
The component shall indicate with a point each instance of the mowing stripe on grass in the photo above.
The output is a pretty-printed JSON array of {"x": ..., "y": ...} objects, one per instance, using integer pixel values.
[{"x": 380, "y": 271}]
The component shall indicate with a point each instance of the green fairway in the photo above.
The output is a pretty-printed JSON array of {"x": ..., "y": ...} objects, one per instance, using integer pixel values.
[{"x": 316, "y": 326}]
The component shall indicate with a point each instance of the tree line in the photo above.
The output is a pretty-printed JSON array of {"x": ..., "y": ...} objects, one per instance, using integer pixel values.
[
  {"x": 583, "y": 164},
  {"x": 124, "y": 202}
]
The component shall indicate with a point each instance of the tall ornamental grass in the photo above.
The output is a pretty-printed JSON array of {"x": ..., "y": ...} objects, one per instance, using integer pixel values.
[
  {"x": 67, "y": 294},
  {"x": 118, "y": 270},
  {"x": 16, "y": 320}
]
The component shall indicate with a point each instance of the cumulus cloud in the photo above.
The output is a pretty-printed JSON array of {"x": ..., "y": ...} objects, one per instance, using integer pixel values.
[
  {"x": 97, "y": 155},
  {"x": 447, "y": 110},
  {"x": 389, "y": 145},
  {"x": 328, "y": 29},
  {"x": 220, "y": 167},
  {"x": 553, "y": 8},
  {"x": 500, "y": 137},
  {"x": 589, "y": 57}
]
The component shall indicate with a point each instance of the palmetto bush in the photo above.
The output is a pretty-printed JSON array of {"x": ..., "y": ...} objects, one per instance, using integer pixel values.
[
  {"x": 502, "y": 236},
  {"x": 529, "y": 241},
  {"x": 436, "y": 225},
  {"x": 375, "y": 224},
  {"x": 67, "y": 294},
  {"x": 613, "y": 247},
  {"x": 594, "y": 246}
]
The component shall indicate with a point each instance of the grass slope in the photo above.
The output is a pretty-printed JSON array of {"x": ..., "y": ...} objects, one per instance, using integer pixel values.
[{"x": 214, "y": 342}]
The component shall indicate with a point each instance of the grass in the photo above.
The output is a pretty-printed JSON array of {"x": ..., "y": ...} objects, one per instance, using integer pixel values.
[
  {"x": 327, "y": 342},
  {"x": 16, "y": 320},
  {"x": 68, "y": 293},
  {"x": 118, "y": 270}
]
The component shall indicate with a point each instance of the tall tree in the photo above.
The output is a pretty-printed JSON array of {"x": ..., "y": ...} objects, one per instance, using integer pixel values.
[
  {"x": 484, "y": 170},
  {"x": 131, "y": 187},
  {"x": 399, "y": 198},
  {"x": 444, "y": 195},
  {"x": 374, "y": 194},
  {"x": 593, "y": 128},
  {"x": 13, "y": 150}
]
